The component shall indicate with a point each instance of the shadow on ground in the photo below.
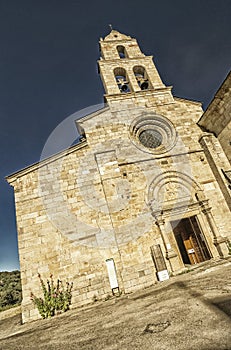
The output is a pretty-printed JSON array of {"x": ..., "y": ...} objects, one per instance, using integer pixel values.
[{"x": 189, "y": 312}]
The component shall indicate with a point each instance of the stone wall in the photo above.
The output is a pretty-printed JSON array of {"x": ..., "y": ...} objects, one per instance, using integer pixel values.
[
  {"x": 90, "y": 203},
  {"x": 217, "y": 117},
  {"x": 112, "y": 197}
]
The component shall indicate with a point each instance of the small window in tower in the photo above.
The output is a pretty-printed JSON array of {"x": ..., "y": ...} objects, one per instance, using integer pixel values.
[
  {"x": 121, "y": 51},
  {"x": 122, "y": 80},
  {"x": 141, "y": 77}
]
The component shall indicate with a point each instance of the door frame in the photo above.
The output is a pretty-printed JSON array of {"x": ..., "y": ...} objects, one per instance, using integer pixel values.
[{"x": 190, "y": 240}]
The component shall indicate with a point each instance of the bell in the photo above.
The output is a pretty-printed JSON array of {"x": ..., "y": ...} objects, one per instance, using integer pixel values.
[
  {"x": 124, "y": 88},
  {"x": 144, "y": 85}
]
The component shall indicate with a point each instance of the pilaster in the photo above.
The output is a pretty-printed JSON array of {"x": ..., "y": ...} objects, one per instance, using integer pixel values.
[
  {"x": 219, "y": 241},
  {"x": 171, "y": 255}
]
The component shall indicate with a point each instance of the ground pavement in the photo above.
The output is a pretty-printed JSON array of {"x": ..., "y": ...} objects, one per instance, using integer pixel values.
[{"x": 189, "y": 311}]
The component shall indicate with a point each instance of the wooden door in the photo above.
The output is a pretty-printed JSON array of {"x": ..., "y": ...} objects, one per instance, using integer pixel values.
[
  {"x": 188, "y": 232},
  {"x": 191, "y": 251}
]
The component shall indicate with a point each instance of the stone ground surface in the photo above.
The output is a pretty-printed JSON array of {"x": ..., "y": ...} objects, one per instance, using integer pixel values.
[{"x": 190, "y": 311}]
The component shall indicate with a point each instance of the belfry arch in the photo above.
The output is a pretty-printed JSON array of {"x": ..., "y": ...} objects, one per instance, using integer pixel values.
[
  {"x": 183, "y": 216},
  {"x": 142, "y": 77},
  {"x": 122, "y": 80}
]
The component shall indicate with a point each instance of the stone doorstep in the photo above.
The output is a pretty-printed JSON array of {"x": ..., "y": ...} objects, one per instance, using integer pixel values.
[{"x": 205, "y": 264}]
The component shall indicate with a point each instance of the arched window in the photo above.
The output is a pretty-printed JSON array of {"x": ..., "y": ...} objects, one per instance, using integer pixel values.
[
  {"x": 121, "y": 51},
  {"x": 122, "y": 80},
  {"x": 142, "y": 77}
]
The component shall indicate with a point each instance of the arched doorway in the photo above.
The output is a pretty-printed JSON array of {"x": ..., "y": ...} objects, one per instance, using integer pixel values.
[
  {"x": 184, "y": 218},
  {"x": 191, "y": 241}
]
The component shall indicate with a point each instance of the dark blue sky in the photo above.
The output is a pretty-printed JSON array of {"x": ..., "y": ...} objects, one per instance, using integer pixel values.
[{"x": 48, "y": 54}]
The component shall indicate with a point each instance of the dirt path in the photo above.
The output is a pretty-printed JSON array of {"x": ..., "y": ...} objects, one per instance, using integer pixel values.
[{"x": 190, "y": 311}]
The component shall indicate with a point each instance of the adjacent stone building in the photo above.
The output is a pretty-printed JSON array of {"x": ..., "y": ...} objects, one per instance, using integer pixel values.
[
  {"x": 140, "y": 197},
  {"x": 217, "y": 117},
  {"x": 217, "y": 121}
]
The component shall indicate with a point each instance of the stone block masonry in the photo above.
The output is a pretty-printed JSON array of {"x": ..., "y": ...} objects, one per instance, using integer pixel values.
[{"x": 113, "y": 197}]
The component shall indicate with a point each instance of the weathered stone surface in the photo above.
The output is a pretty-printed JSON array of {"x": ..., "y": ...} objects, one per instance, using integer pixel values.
[
  {"x": 109, "y": 197},
  {"x": 217, "y": 117},
  {"x": 190, "y": 311}
]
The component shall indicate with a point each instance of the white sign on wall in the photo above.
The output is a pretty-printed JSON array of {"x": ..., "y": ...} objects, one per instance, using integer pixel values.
[
  {"x": 191, "y": 251},
  {"x": 163, "y": 275},
  {"x": 112, "y": 273}
]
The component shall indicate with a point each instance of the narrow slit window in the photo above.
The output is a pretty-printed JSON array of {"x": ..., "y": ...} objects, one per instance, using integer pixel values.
[{"x": 121, "y": 51}]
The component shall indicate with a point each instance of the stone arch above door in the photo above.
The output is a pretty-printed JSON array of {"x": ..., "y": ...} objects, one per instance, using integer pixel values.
[
  {"x": 174, "y": 195},
  {"x": 172, "y": 189}
]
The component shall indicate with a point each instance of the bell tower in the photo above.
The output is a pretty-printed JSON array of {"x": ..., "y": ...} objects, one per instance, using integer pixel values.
[{"x": 125, "y": 70}]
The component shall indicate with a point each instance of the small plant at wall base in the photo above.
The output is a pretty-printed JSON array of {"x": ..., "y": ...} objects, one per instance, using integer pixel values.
[{"x": 56, "y": 298}]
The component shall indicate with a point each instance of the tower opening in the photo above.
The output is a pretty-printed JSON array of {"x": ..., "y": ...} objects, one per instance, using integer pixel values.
[
  {"x": 122, "y": 80},
  {"x": 141, "y": 77},
  {"x": 121, "y": 51}
]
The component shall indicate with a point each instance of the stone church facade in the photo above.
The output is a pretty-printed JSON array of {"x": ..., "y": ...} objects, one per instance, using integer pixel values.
[{"x": 140, "y": 197}]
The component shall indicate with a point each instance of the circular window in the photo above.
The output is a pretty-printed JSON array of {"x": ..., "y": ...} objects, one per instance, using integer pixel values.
[
  {"x": 153, "y": 133},
  {"x": 150, "y": 138}
]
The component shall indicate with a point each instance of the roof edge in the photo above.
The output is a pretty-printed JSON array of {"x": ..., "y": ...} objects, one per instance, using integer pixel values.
[
  {"x": 94, "y": 114},
  {"x": 211, "y": 104},
  {"x": 14, "y": 176},
  {"x": 187, "y": 100}
]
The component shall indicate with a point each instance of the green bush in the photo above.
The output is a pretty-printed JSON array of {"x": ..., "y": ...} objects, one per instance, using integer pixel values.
[
  {"x": 56, "y": 298},
  {"x": 10, "y": 289}
]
